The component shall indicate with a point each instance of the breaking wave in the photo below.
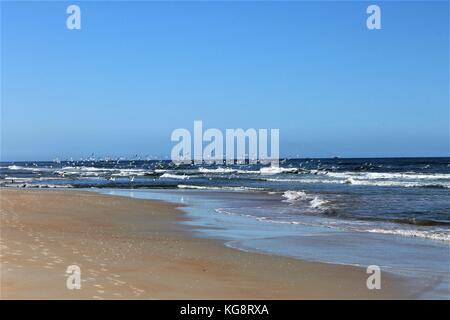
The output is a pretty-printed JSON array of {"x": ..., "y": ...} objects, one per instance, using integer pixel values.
[
  {"x": 174, "y": 176},
  {"x": 314, "y": 201}
]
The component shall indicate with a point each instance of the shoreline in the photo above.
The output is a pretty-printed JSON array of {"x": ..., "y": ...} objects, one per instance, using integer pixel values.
[{"x": 135, "y": 249}]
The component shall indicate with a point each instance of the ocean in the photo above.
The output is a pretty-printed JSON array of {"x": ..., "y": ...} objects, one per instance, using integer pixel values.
[
  {"x": 404, "y": 196},
  {"x": 391, "y": 212}
]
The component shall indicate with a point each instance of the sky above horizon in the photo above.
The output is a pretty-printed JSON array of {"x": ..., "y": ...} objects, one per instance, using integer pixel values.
[{"x": 138, "y": 70}]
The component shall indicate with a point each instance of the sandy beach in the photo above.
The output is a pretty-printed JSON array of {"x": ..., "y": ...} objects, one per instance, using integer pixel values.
[{"x": 135, "y": 249}]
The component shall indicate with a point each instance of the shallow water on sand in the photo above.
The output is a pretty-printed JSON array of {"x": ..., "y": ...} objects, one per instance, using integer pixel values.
[{"x": 255, "y": 227}]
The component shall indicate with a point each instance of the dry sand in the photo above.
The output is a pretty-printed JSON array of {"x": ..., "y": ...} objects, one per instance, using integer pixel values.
[{"x": 135, "y": 249}]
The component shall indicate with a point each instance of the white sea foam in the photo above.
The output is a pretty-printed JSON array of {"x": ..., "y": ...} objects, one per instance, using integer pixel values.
[
  {"x": 88, "y": 169},
  {"x": 174, "y": 176},
  {"x": 349, "y": 181},
  {"x": 132, "y": 172},
  {"x": 304, "y": 180},
  {"x": 217, "y": 170},
  {"x": 221, "y": 170},
  {"x": 277, "y": 170},
  {"x": 295, "y": 195},
  {"x": 29, "y": 185},
  {"x": 93, "y": 171},
  {"x": 315, "y": 202},
  {"x": 17, "y": 179},
  {"x": 14, "y": 167},
  {"x": 355, "y": 226},
  {"x": 353, "y": 180},
  {"x": 405, "y": 184},
  {"x": 187, "y": 186},
  {"x": 435, "y": 235},
  {"x": 229, "y": 212},
  {"x": 386, "y": 175},
  {"x": 318, "y": 203}
]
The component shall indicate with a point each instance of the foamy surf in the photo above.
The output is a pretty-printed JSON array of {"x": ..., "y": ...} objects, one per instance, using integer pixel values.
[
  {"x": 277, "y": 170},
  {"x": 174, "y": 176},
  {"x": 402, "y": 191},
  {"x": 433, "y": 235},
  {"x": 216, "y": 170},
  {"x": 269, "y": 216},
  {"x": 314, "y": 201},
  {"x": 318, "y": 203},
  {"x": 364, "y": 181},
  {"x": 295, "y": 195},
  {"x": 225, "y": 188}
]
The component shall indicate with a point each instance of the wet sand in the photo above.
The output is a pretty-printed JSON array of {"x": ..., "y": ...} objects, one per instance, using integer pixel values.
[{"x": 135, "y": 249}]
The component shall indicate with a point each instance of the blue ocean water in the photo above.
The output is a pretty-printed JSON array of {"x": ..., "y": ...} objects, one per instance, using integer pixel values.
[
  {"x": 404, "y": 196},
  {"x": 394, "y": 213}
]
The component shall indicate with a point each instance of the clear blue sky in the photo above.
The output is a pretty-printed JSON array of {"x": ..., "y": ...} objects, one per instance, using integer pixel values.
[{"x": 138, "y": 70}]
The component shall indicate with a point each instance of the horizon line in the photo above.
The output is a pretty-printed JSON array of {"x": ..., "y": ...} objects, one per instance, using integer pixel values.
[{"x": 281, "y": 158}]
